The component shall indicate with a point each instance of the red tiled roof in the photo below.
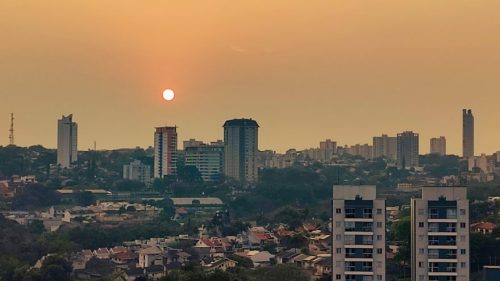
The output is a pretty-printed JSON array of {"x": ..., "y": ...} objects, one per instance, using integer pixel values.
[{"x": 484, "y": 225}]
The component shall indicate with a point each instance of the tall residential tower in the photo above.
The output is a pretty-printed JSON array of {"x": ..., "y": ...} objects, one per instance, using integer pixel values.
[
  {"x": 438, "y": 146},
  {"x": 358, "y": 236},
  {"x": 468, "y": 133},
  {"x": 408, "y": 148},
  {"x": 440, "y": 234},
  {"x": 165, "y": 157},
  {"x": 240, "y": 149},
  {"x": 67, "y": 141}
]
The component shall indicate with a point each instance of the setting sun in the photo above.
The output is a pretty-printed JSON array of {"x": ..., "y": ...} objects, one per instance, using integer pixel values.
[{"x": 168, "y": 95}]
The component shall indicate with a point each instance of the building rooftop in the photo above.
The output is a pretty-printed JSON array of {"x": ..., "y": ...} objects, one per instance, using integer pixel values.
[
  {"x": 197, "y": 201},
  {"x": 241, "y": 123}
]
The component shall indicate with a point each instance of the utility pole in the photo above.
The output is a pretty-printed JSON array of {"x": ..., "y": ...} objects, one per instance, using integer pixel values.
[{"x": 11, "y": 131}]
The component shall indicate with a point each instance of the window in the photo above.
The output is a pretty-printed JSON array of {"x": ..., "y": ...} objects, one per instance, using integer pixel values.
[
  {"x": 379, "y": 251},
  {"x": 338, "y": 224},
  {"x": 350, "y": 213},
  {"x": 338, "y": 211},
  {"x": 379, "y": 237},
  {"x": 338, "y": 277},
  {"x": 338, "y": 237},
  {"x": 367, "y": 213},
  {"x": 420, "y": 264},
  {"x": 463, "y": 225},
  {"x": 421, "y": 278},
  {"x": 462, "y": 265},
  {"x": 462, "y": 238},
  {"x": 379, "y": 277},
  {"x": 379, "y": 224},
  {"x": 462, "y": 212},
  {"x": 462, "y": 251},
  {"x": 421, "y": 251},
  {"x": 379, "y": 211},
  {"x": 433, "y": 213},
  {"x": 421, "y": 224},
  {"x": 339, "y": 251},
  {"x": 379, "y": 264},
  {"x": 451, "y": 213}
]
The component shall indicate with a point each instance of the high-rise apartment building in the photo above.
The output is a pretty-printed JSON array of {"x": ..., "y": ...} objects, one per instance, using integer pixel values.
[
  {"x": 207, "y": 158},
  {"x": 468, "y": 133},
  {"x": 408, "y": 149},
  {"x": 240, "y": 149},
  {"x": 363, "y": 150},
  {"x": 440, "y": 234},
  {"x": 327, "y": 148},
  {"x": 165, "y": 152},
  {"x": 438, "y": 146},
  {"x": 67, "y": 141},
  {"x": 385, "y": 146},
  {"x": 358, "y": 235},
  {"x": 137, "y": 171}
]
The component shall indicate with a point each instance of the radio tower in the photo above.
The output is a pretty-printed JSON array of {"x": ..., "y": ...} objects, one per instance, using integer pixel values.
[{"x": 11, "y": 131}]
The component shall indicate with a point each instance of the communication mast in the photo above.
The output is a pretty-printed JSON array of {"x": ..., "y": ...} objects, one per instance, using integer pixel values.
[{"x": 11, "y": 131}]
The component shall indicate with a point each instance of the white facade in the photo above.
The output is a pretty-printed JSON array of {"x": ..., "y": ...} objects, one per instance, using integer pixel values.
[
  {"x": 165, "y": 155},
  {"x": 67, "y": 141},
  {"x": 358, "y": 236},
  {"x": 440, "y": 234},
  {"x": 207, "y": 158},
  {"x": 137, "y": 171}
]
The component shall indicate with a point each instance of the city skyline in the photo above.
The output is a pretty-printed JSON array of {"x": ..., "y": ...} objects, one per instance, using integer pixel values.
[{"x": 357, "y": 71}]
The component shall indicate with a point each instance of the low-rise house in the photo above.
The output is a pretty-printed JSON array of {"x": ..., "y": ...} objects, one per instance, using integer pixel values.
[
  {"x": 287, "y": 256},
  {"x": 150, "y": 256},
  {"x": 259, "y": 258},
  {"x": 102, "y": 253},
  {"x": 219, "y": 264},
  {"x": 322, "y": 266},
  {"x": 320, "y": 244},
  {"x": 483, "y": 227}
]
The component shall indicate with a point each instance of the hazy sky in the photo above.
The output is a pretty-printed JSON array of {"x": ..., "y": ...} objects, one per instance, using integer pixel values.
[{"x": 305, "y": 70}]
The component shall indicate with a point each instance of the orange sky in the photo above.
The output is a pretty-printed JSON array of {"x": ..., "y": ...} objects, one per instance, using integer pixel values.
[{"x": 305, "y": 70}]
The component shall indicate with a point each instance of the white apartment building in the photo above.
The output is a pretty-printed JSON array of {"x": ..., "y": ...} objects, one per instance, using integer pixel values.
[
  {"x": 358, "y": 236},
  {"x": 440, "y": 235}
]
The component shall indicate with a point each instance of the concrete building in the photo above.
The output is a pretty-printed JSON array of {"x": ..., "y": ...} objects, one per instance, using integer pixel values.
[
  {"x": 468, "y": 133},
  {"x": 408, "y": 150},
  {"x": 165, "y": 152},
  {"x": 240, "y": 149},
  {"x": 67, "y": 141},
  {"x": 363, "y": 150},
  {"x": 483, "y": 163},
  {"x": 328, "y": 148},
  {"x": 440, "y": 234},
  {"x": 358, "y": 236},
  {"x": 207, "y": 158},
  {"x": 438, "y": 146},
  {"x": 137, "y": 171},
  {"x": 385, "y": 146}
]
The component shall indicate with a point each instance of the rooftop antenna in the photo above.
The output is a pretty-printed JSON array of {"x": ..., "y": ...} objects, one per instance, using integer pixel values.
[{"x": 11, "y": 130}]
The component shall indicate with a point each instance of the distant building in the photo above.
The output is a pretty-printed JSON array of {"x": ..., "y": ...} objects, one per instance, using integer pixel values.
[
  {"x": 165, "y": 152},
  {"x": 363, "y": 150},
  {"x": 358, "y": 236},
  {"x": 479, "y": 162},
  {"x": 67, "y": 141},
  {"x": 207, "y": 158},
  {"x": 191, "y": 142},
  {"x": 137, "y": 171},
  {"x": 468, "y": 133},
  {"x": 440, "y": 234},
  {"x": 385, "y": 146},
  {"x": 240, "y": 149},
  {"x": 438, "y": 146},
  {"x": 328, "y": 148},
  {"x": 408, "y": 150}
]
